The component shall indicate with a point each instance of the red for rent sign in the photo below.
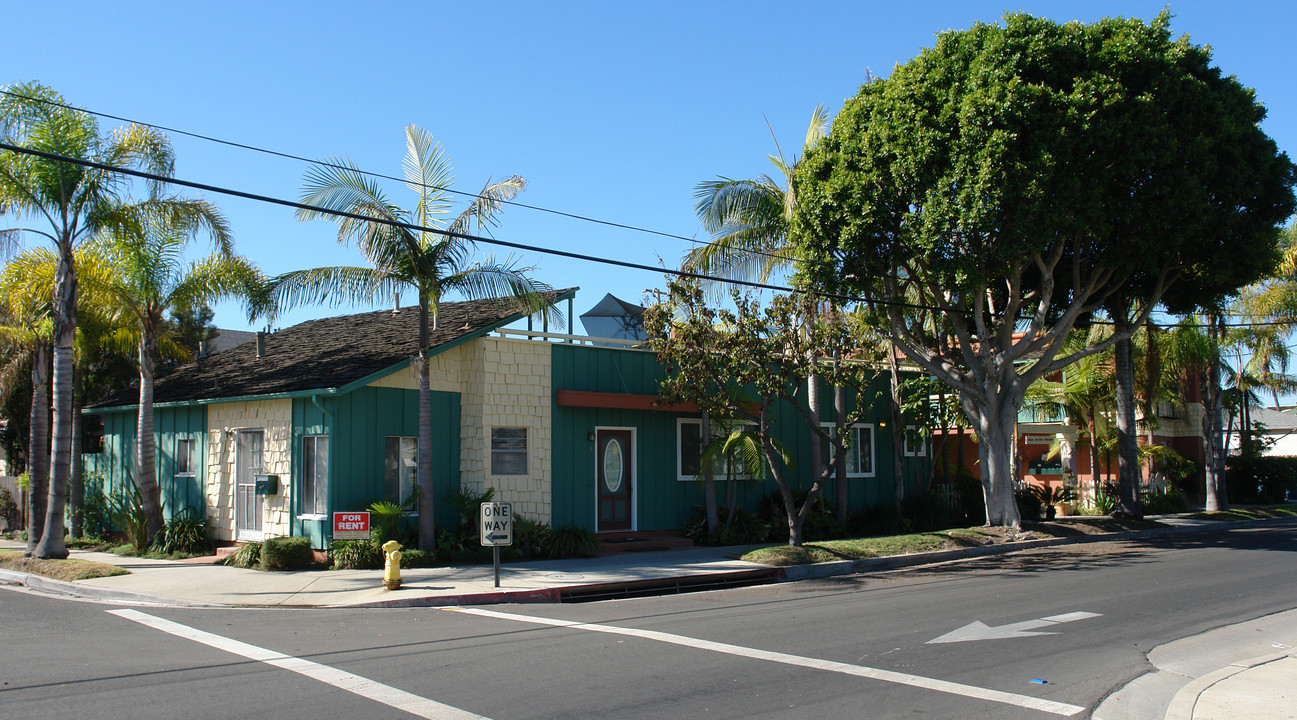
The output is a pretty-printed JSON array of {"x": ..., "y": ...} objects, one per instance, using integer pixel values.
[{"x": 351, "y": 526}]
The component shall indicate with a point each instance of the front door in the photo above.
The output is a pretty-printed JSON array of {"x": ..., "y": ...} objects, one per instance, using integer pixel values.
[
  {"x": 616, "y": 462},
  {"x": 247, "y": 503}
]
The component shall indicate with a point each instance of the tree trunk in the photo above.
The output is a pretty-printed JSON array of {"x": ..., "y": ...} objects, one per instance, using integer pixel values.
[
  {"x": 994, "y": 424},
  {"x": 1127, "y": 433},
  {"x": 898, "y": 430},
  {"x": 146, "y": 449},
  {"x": 1096, "y": 481},
  {"x": 840, "y": 495},
  {"x": 1212, "y": 423},
  {"x": 38, "y": 447},
  {"x": 709, "y": 481},
  {"x": 427, "y": 522},
  {"x": 64, "y": 306},
  {"x": 76, "y": 481}
]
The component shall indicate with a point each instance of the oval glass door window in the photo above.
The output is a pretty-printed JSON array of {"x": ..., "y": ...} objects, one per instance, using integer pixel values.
[{"x": 612, "y": 465}]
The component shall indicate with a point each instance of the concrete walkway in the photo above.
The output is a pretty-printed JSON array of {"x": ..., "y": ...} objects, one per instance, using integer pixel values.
[{"x": 1246, "y": 671}]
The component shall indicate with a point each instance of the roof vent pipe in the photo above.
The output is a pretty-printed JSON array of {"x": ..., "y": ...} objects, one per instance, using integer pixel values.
[
  {"x": 261, "y": 343},
  {"x": 396, "y": 304}
]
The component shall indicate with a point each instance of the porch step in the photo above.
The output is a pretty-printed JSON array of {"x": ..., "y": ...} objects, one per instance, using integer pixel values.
[{"x": 616, "y": 543}]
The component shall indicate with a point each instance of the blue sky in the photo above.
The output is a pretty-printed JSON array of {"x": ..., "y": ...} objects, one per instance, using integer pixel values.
[{"x": 609, "y": 110}]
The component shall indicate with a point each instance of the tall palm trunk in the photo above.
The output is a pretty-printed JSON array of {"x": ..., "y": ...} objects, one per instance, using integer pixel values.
[
  {"x": 146, "y": 452},
  {"x": 38, "y": 447},
  {"x": 64, "y": 306},
  {"x": 427, "y": 522},
  {"x": 709, "y": 479},
  {"x": 1212, "y": 422},
  {"x": 1127, "y": 444}
]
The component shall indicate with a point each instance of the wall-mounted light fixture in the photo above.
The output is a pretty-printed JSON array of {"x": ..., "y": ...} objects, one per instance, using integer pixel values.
[{"x": 590, "y": 436}]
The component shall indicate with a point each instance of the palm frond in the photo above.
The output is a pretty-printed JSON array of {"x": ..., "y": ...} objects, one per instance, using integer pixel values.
[
  {"x": 327, "y": 285},
  {"x": 428, "y": 173}
]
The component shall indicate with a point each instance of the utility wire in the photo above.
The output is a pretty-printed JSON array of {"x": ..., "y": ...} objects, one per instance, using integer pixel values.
[
  {"x": 505, "y": 243},
  {"x": 325, "y": 163}
]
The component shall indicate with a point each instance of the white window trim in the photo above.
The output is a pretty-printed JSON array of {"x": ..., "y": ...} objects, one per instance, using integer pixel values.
[
  {"x": 923, "y": 442},
  {"x": 412, "y": 512},
  {"x": 193, "y": 451},
  {"x": 873, "y": 444},
  {"x": 526, "y": 451},
  {"x": 680, "y": 474},
  {"x": 314, "y": 515}
]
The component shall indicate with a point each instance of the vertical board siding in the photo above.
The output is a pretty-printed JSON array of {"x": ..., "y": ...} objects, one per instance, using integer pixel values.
[
  {"x": 115, "y": 463},
  {"x": 664, "y": 502},
  {"x": 360, "y": 424}
]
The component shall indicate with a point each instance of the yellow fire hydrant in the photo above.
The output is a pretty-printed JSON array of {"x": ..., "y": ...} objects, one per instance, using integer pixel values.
[{"x": 392, "y": 567}]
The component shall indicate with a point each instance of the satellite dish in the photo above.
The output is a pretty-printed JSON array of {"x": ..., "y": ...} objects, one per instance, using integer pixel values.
[{"x": 615, "y": 318}]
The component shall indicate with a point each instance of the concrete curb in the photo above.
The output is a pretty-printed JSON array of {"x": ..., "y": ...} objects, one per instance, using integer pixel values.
[
  {"x": 554, "y": 594},
  {"x": 1184, "y": 702},
  {"x": 892, "y": 562},
  {"x": 71, "y": 589}
]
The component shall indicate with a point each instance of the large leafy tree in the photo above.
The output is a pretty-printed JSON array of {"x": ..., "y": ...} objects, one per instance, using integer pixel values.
[
  {"x": 434, "y": 262},
  {"x": 151, "y": 277},
  {"x": 747, "y": 362},
  {"x": 68, "y": 203},
  {"x": 1020, "y": 175}
]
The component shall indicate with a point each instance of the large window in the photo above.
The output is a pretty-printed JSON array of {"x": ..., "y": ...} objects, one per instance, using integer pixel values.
[
  {"x": 315, "y": 475},
  {"x": 509, "y": 451},
  {"x": 916, "y": 444},
  {"x": 860, "y": 450},
  {"x": 400, "y": 461},
  {"x": 185, "y": 458},
  {"x": 690, "y": 446}
]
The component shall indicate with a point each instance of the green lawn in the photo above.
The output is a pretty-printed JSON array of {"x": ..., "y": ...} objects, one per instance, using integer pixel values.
[
  {"x": 1260, "y": 512},
  {"x": 58, "y": 569}
]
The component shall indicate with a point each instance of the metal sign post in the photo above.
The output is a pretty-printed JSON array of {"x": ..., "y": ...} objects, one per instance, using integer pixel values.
[{"x": 495, "y": 527}]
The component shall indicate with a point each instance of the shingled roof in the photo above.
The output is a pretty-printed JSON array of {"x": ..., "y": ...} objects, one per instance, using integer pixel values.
[{"x": 323, "y": 354}]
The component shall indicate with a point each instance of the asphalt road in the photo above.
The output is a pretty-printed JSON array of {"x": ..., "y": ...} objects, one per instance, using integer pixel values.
[{"x": 851, "y": 647}]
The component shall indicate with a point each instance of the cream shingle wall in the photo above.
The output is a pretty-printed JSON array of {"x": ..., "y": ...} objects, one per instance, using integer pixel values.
[
  {"x": 224, "y": 420},
  {"x": 501, "y": 383}
]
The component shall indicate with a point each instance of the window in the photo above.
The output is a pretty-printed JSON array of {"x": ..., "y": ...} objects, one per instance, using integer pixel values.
[
  {"x": 508, "y": 451},
  {"x": 860, "y": 450},
  {"x": 690, "y": 446},
  {"x": 185, "y": 458},
  {"x": 315, "y": 475},
  {"x": 916, "y": 445},
  {"x": 400, "y": 462}
]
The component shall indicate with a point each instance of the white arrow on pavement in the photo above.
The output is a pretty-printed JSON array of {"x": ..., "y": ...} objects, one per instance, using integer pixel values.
[{"x": 978, "y": 630}]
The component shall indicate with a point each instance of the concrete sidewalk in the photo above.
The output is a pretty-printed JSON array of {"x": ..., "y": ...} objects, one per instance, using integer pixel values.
[{"x": 1247, "y": 671}]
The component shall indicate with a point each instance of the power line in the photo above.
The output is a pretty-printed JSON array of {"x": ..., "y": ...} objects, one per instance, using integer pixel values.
[
  {"x": 325, "y": 163},
  {"x": 505, "y": 243}
]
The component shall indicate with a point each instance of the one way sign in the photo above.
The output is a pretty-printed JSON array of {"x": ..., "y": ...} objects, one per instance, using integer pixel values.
[{"x": 496, "y": 526}]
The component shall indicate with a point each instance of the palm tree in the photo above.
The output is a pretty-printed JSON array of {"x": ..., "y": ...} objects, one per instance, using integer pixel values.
[
  {"x": 749, "y": 221},
  {"x": 150, "y": 277},
  {"x": 403, "y": 254},
  {"x": 71, "y": 202},
  {"x": 27, "y": 329}
]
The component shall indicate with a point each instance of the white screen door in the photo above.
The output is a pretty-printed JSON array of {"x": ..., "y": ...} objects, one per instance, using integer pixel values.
[{"x": 247, "y": 465}]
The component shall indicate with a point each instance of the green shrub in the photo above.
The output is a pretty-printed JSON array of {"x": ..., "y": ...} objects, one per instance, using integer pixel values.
[
  {"x": 356, "y": 555},
  {"x": 287, "y": 553},
  {"x": 127, "y": 513},
  {"x": 93, "y": 513},
  {"x": 875, "y": 521},
  {"x": 570, "y": 542},
  {"x": 186, "y": 533},
  {"x": 927, "y": 512},
  {"x": 9, "y": 512},
  {"x": 416, "y": 558},
  {"x": 819, "y": 524},
  {"x": 745, "y": 528},
  {"x": 1161, "y": 504},
  {"x": 1258, "y": 479},
  {"x": 529, "y": 537},
  {"x": 248, "y": 556},
  {"x": 1029, "y": 506}
]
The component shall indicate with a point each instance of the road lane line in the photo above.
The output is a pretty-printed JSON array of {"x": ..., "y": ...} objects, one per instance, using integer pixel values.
[
  {"x": 364, "y": 687},
  {"x": 953, "y": 688}
]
